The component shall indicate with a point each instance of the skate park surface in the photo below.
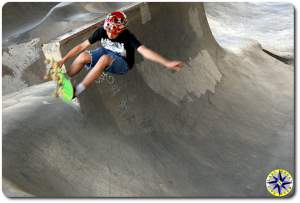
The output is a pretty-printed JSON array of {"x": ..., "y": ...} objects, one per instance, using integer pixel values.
[{"x": 214, "y": 129}]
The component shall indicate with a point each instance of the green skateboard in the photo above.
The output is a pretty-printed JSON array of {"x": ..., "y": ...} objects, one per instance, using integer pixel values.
[{"x": 64, "y": 88}]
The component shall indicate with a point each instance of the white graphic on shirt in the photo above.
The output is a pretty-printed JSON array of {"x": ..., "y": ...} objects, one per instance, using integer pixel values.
[{"x": 114, "y": 46}]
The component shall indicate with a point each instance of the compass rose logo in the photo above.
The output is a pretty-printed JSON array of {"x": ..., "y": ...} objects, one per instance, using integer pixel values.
[{"x": 279, "y": 182}]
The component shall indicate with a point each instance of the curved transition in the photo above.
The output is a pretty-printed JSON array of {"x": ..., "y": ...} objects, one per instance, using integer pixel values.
[{"x": 214, "y": 129}]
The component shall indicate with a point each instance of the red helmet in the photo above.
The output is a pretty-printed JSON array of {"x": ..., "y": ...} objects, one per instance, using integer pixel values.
[{"x": 115, "y": 22}]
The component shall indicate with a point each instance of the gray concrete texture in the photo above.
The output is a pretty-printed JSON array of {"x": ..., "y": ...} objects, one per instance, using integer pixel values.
[{"x": 214, "y": 129}]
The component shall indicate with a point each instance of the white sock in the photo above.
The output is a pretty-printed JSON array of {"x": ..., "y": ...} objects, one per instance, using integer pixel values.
[{"x": 79, "y": 88}]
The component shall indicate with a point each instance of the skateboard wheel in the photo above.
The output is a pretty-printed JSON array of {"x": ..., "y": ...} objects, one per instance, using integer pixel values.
[
  {"x": 57, "y": 78},
  {"x": 60, "y": 89}
]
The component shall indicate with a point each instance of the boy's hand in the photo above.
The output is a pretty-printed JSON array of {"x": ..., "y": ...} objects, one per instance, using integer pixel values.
[
  {"x": 174, "y": 65},
  {"x": 61, "y": 62}
]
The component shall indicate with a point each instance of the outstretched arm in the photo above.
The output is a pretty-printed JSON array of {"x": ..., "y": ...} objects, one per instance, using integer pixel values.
[
  {"x": 76, "y": 50},
  {"x": 153, "y": 56}
]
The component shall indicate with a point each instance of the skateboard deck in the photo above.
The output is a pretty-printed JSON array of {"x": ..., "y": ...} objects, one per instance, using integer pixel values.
[{"x": 64, "y": 88}]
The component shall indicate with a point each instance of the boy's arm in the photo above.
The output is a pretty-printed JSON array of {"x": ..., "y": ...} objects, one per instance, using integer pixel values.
[
  {"x": 153, "y": 56},
  {"x": 76, "y": 50}
]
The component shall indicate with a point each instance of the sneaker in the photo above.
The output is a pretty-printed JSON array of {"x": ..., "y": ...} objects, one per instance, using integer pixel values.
[{"x": 75, "y": 104}]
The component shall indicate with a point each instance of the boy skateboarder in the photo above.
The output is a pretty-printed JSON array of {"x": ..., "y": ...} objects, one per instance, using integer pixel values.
[{"x": 116, "y": 54}]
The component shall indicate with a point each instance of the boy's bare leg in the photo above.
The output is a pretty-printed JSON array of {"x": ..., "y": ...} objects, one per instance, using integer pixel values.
[
  {"x": 96, "y": 72},
  {"x": 79, "y": 63}
]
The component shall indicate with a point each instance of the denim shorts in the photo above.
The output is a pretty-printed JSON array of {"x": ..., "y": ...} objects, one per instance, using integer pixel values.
[{"x": 118, "y": 65}]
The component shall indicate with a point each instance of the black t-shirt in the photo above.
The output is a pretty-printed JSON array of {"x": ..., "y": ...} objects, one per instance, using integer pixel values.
[{"x": 124, "y": 45}]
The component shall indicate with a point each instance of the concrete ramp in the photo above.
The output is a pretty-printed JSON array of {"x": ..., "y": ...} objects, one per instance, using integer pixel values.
[{"x": 214, "y": 129}]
